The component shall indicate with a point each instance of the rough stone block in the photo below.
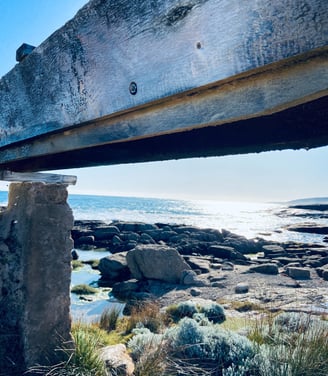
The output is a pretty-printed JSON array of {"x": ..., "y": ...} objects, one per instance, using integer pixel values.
[{"x": 35, "y": 274}]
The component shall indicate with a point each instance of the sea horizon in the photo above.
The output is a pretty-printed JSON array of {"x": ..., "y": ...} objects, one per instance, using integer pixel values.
[{"x": 268, "y": 220}]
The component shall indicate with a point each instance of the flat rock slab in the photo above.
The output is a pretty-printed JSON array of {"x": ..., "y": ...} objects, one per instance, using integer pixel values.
[
  {"x": 309, "y": 228},
  {"x": 264, "y": 269}
]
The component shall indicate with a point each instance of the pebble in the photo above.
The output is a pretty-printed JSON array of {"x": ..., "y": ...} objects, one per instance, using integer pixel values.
[
  {"x": 195, "y": 292},
  {"x": 242, "y": 288}
]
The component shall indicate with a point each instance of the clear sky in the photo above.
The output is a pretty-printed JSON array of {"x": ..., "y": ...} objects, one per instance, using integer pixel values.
[{"x": 271, "y": 176}]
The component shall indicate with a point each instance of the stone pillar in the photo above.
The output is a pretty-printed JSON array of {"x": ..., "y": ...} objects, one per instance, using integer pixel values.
[{"x": 35, "y": 273}]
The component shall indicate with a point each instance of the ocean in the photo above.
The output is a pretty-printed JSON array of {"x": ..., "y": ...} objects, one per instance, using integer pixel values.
[{"x": 266, "y": 220}]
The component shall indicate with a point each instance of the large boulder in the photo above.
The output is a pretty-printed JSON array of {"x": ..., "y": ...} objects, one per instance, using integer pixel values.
[
  {"x": 153, "y": 261},
  {"x": 114, "y": 267}
]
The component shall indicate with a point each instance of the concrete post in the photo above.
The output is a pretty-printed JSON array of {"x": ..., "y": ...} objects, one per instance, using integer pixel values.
[{"x": 35, "y": 274}]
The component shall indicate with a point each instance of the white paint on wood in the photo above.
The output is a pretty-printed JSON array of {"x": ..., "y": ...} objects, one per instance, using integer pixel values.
[{"x": 37, "y": 177}]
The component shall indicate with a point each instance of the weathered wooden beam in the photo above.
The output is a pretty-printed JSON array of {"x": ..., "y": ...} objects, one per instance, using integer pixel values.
[
  {"x": 122, "y": 73},
  {"x": 20, "y": 177}
]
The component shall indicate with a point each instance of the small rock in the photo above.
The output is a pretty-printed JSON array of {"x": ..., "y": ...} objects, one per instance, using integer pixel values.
[
  {"x": 227, "y": 266},
  {"x": 272, "y": 249},
  {"x": 285, "y": 260},
  {"x": 116, "y": 240},
  {"x": 75, "y": 255},
  {"x": 189, "y": 277},
  {"x": 87, "y": 239},
  {"x": 294, "y": 264},
  {"x": 325, "y": 275},
  {"x": 264, "y": 269},
  {"x": 242, "y": 288},
  {"x": 313, "y": 263},
  {"x": 220, "y": 285},
  {"x": 298, "y": 273},
  {"x": 116, "y": 357},
  {"x": 146, "y": 239},
  {"x": 199, "y": 263},
  {"x": 218, "y": 278},
  {"x": 216, "y": 266},
  {"x": 130, "y": 236},
  {"x": 195, "y": 292},
  {"x": 225, "y": 252}
]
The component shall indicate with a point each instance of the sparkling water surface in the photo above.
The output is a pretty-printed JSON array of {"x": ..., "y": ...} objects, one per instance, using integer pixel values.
[
  {"x": 252, "y": 220},
  {"x": 243, "y": 218}
]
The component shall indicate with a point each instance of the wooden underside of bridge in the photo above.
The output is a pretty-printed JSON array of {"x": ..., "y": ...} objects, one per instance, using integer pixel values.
[{"x": 151, "y": 80}]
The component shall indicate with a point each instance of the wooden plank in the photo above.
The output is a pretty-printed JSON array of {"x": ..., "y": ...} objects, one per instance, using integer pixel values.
[
  {"x": 302, "y": 126},
  {"x": 37, "y": 177},
  {"x": 264, "y": 91},
  {"x": 83, "y": 72}
]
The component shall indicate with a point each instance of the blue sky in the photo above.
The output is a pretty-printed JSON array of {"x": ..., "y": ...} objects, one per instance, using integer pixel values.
[{"x": 271, "y": 176}]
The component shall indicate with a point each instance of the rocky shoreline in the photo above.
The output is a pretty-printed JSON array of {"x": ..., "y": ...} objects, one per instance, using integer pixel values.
[{"x": 171, "y": 263}]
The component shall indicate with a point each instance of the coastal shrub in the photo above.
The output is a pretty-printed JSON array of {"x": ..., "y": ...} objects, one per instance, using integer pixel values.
[
  {"x": 108, "y": 319},
  {"x": 213, "y": 311},
  {"x": 211, "y": 346},
  {"x": 184, "y": 309},
  {"x": 83, "y": 289},
  {"x": 147, "y": 315},
  {"x": 149, "y": 350},
  {"x": 293, "y": 344},
  {"x": 250, "y": 367},
  {"x": 291, "y": 322},
  {"x": 187, "y": 338},
  {"x": 201, "y": 319},
  {"x": 144, "y": 340}
]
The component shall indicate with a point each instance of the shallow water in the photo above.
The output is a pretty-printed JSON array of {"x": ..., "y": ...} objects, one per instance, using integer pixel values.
[{"x": 90, "y": 307}]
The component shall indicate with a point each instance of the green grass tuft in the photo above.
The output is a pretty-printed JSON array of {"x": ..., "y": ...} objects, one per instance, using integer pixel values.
[
  {"x": 83, "y": 290},
  {"x": 76, "y": 264},
  {"x": 109, "y": 318}
]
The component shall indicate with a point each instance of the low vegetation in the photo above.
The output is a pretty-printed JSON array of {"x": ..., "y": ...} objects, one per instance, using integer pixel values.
[
  {"x": 83, "y": 289},
  {"x": 76, "y": 264},
  {"x": 109, "y": 318},
  {"x": 191, "y": 339}
]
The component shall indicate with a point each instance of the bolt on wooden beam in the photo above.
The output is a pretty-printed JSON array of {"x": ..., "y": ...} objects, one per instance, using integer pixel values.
[
  {"x": 23, "y": 51},
  {"x": 12, "y": 176}
]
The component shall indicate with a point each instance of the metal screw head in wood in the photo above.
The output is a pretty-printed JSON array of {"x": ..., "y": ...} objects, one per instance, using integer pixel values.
[
  {"x": 133, "y": 88},
  {"x": 24, "y": 50}
]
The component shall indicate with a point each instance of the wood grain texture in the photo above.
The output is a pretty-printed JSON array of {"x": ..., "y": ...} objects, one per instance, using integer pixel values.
[
  {"x": 295, "y": 84},
  {"x": 82, "y": 73},
  {"x": 37, "y": 177}
]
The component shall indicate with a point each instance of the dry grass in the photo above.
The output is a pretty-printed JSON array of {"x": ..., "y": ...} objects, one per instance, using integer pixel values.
[{"x": 147, "y": 315}]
